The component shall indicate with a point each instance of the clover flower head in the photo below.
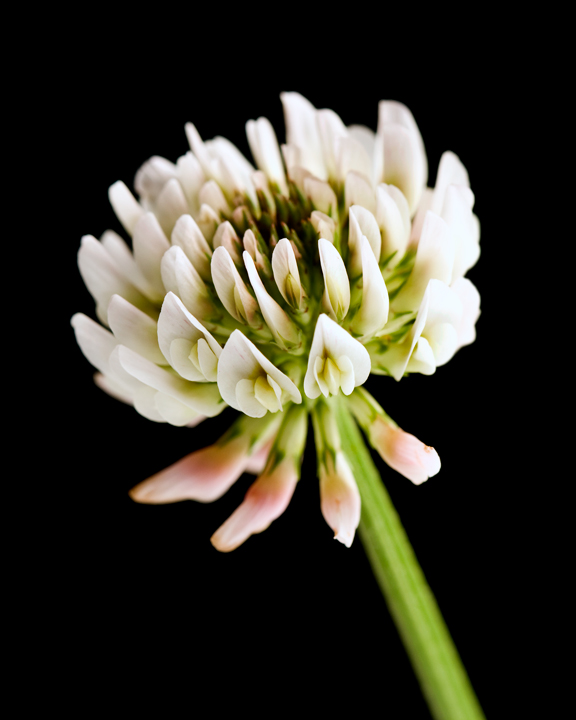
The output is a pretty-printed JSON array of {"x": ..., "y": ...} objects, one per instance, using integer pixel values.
[{"x": 276, "y": 289}]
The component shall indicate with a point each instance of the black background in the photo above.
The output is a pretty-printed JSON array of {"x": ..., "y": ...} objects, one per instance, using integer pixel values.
[{"x": 138, "y": 586}]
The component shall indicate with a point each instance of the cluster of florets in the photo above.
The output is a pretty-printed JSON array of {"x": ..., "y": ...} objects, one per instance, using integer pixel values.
[{"x": 277, "y": 292}]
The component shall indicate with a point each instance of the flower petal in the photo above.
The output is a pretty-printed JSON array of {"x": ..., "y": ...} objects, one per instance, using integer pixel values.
[
  {"x": 339, "y": 499},
  {"x": 135, "y": 329},
  {"x": 336, "y": 283},
  {"x": 150, "y": 243},
  {"x": 188, "y": 236},
  {"x": 302, "y": 131},
  {"x": 128, "y": 210},
  {"x": 266, "y": 152},
  {"x": 333, "y": 342},
  {"x": 286, "y": 274},
  {"x": 231, "y": 289}
]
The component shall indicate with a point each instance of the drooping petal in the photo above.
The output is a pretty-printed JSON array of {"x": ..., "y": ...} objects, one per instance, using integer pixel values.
[
  {"x": 404, "y": 452},
  {"x": 205, "y": 475},
  {"x": 265, "y": 501},
  {"x": 339, "y": 499}
]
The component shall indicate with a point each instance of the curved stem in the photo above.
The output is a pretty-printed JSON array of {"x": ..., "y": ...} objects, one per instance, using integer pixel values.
[{"x": 432, "y": 652}]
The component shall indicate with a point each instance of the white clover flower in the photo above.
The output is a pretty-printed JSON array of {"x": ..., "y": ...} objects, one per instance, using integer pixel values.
[{"x": 276, "y": 289}]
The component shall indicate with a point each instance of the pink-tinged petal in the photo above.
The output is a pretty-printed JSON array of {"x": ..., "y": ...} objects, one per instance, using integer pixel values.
[
  {"x": 257, "y": 462},
  {"x": 340, "y": 500},
  {"x": 404, "y": 452},
  {"x": 265, "y": 501},
  {"x": 204, "y": 475}
]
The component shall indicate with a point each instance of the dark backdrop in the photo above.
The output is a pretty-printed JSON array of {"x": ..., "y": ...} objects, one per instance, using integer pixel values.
[{"x": 129, "y": 576}]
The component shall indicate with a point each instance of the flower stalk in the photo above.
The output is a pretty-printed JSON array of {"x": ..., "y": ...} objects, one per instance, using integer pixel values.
[{"x": 426, "y": 638}]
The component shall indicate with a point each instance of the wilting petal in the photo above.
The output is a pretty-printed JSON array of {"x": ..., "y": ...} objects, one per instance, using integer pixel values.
[
  {"x": 349, "y": 361},
  {"x": 336, "y": 283},
  {"x": 340, "y": 499},
  {"x": 128, "y": 210},
  {"x": 265, "y": 501},
  {"x": 404, "y": 452},
  {"x": 205, "y": 475},
  {"x": 242, "y": 361}
]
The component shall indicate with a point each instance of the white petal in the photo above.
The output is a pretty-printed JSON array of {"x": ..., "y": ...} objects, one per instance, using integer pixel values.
[
  {"x": 225, "y": 236},
  {"x": 114, "y": 388},
  {"x": 152, "y": 176},
  {"x": 124, "y": 261},
  {"x": 351, "y": 156},
  {"x": 434, "y": 259},
  {"x": 393, "y": 112},
  {"x": 103, "y": 279},
  {"x": 145, "y": 403},
  {"x": 95, "y": 341},
  {"x": 231, "y": 288},
  {"x": 470, "y": 299},
  {"x": 373, "y": 312},
  {"x": 175, "y": 412},
  {"x": 331, "y": 340},
  {"x": 241, "y": 360},
  {"x": 188, "y": 236},
  {"x": 423, "y": 206},
  {"x": 394, "y": 222},
  {"x": 457, "y": 212},
  {"x": 403, "y": 163},
  {"x": 208, "y": 220},
  {"x": 451, "y": 171},
  {"x": 336, "y": 283},
  {"x": 170, "y": 205},
  {"x": 175, "y": 322},
  {"x": 266, "y": 152},
  {"x": 211, "y": 195},
  {"x": 191, "y": 178},
  {"x": 202, "y": 397},
  {"x": 180, "y": 277},
  {"x": 358, "y": 191},
  {"x": 322, "y": 196},
  {"x": 135, "y": 329},
  {"x": 125, "y": 205},
  {"x": 284, "y": 331},
  {"x": 362, "y": 223},
  {"x": 150, "y": 244},
  {"x": 330, "y": 129},
  {"x": 284, "y": 264},
  {"x": 302, "y": 131}
]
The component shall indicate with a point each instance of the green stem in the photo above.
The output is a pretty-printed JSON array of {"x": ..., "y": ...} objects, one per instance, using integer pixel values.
[{"x": 434, "y": 657}]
